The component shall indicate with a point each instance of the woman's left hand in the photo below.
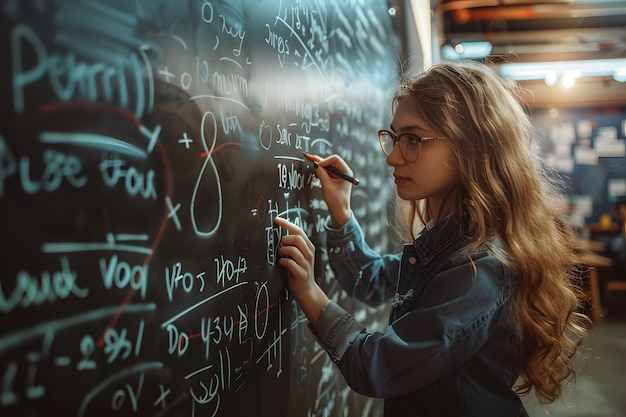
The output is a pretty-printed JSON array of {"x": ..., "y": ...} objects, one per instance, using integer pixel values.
[{"x": 297, "y": 254}]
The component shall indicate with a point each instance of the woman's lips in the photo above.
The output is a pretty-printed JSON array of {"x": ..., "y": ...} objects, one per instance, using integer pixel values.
[{"x": 400, "y": 180}]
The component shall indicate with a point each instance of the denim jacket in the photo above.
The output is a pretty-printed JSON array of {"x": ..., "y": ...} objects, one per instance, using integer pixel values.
[{"x": 450, "y": 349}]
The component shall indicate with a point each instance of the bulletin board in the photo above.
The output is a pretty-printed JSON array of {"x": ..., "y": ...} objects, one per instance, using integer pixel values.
[{"x": 587, "y": 149}]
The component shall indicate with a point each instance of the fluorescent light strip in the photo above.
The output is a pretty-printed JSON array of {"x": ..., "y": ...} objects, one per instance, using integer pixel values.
[
  {"x": 467, "y": 50},
  {"x": 537, "y": 70}
]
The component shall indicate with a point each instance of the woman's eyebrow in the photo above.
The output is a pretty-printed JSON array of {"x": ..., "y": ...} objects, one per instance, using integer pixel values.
[{"x": 410, "y": 127}]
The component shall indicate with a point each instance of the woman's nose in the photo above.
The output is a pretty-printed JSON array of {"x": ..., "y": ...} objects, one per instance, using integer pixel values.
[{"x": 395, "y": 158}]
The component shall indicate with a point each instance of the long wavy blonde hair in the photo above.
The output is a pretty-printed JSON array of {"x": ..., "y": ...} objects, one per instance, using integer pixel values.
[{"x": 505, "y": 192}]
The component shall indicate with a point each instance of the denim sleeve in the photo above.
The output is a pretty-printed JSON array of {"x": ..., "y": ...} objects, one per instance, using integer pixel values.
[
  {"x": 450, "y": 323},
  {"x": 336, "y": 330},
  {"x": 362, "y": 273}
]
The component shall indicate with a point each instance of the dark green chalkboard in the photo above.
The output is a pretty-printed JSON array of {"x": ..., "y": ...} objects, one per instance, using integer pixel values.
[{"x": 145, "y": 147}]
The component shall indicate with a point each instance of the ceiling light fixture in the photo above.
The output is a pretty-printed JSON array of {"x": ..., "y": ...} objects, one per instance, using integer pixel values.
[
  {"x": 528, "y": 71},
  {"x": 568, "y": 79},
  {"x": 620, "y": 74},
  {"x": 551, "y": 78},
  {"x": 467, "y": 50}
]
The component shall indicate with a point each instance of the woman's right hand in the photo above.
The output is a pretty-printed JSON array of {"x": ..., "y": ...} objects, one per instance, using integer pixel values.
[{"x": 335, "y": 190}]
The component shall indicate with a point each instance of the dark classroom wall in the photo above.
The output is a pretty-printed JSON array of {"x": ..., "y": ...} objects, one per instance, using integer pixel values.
[{"x": 145, "y": 147}]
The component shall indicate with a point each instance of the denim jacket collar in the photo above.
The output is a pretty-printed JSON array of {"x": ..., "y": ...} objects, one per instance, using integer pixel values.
[{"x": 434, "y": 241}]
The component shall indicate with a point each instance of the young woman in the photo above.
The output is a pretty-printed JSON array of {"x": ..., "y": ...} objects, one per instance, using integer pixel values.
[{"x": 483, "y": 294}]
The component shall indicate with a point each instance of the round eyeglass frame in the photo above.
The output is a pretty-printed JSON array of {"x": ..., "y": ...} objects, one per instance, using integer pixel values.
[{"x": 384, "y": 135}]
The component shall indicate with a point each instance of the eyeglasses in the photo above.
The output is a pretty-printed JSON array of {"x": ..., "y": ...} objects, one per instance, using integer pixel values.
[{"x": 410, "y": 144}]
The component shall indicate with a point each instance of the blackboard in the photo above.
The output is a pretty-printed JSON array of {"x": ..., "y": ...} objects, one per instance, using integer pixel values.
[{"x": 145, "y": 147}]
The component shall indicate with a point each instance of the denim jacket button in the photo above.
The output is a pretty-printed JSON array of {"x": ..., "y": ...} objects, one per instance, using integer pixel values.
[{"x": 412, "y": 260}]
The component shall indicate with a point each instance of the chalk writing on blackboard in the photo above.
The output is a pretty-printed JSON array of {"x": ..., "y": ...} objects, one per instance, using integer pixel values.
[{"x": 145, "y": 148}]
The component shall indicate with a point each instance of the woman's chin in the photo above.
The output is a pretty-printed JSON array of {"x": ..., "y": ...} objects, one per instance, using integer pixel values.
[{"x": 408, "y": 196}]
